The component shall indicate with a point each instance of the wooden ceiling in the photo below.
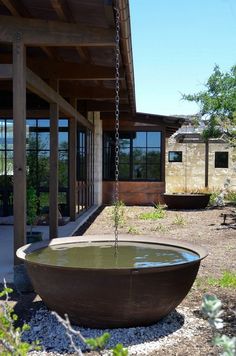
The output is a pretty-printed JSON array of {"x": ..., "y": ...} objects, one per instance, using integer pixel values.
[{"x": 72, "y": 41}]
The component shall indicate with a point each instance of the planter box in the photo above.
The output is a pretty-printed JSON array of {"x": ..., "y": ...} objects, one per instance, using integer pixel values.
[
  {"x": 186, "y": 201},
  {"x": 35, "y": 236}
]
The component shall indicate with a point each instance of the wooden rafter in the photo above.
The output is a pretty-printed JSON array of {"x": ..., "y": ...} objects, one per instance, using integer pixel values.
[
  {"x": 72, "y": 71},
  {"x": 16, "y": 8},
  {"x": 37, "y": 32},
  {"x": 42, "y": 89},
  {"x": 64, "y": 14},
  {"x": 75, "y": 90}
]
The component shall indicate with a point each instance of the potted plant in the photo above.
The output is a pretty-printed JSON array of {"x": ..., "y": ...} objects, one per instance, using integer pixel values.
[
  {"x": 187, "y": 200},
  {"x": 32, "y": 207}
]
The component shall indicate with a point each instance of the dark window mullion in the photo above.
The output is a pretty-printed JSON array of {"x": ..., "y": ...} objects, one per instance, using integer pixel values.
[{"x": 131, "y": 159}]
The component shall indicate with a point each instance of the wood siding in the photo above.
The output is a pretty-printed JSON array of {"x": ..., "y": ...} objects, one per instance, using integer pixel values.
[{"x": 134, "y": 193}]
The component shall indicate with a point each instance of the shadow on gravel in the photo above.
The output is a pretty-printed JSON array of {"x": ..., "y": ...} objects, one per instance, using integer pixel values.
[{"x": 51, "y": 333}]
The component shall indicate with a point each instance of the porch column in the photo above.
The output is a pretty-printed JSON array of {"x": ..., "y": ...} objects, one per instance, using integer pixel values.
[
  {"x": 19, "y": 143},
  {"x": 53, "y": 179},
  {"x": 72, "y": 162},
  {"x": 97, "y": 159}
]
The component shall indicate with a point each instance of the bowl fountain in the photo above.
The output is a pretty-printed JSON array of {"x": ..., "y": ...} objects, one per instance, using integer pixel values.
[
  {"x": 83, "y": 276},
  {"x": 186, "y": 200}
]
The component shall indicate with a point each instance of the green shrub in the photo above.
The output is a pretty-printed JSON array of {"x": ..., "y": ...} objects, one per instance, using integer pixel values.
[
  {"x": 228, "y": 280},
  {"x": 11, "y": 336},
  {"x": 157, "y": 213},
  {"x": 211, "y": 307},
  {"x": 118, "y": 213}
]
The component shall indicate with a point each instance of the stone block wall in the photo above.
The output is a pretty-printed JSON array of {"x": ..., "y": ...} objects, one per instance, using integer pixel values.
[{"x": 189, "y": 175}]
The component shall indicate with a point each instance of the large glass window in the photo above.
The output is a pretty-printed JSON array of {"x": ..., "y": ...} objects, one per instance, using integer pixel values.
[
  {"x": 38, "y": 153},
  {"x": 85, "y": 164},
  {"x": 139, "y": 158}
]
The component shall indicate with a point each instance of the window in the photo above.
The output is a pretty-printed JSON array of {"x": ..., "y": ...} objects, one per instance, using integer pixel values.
[
  {"x": 221, "y": 159},
  {"x": 175, "y": 156},
  {"x": 38, "y": 165},
  {"x": 139, "y": 159}
]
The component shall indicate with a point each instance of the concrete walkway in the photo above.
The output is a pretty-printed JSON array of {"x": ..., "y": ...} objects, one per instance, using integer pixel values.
[{"x": 6, "y": 242}]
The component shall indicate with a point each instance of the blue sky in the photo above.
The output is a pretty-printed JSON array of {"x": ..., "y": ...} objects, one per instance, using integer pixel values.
[{"x": 176, "y": 44}]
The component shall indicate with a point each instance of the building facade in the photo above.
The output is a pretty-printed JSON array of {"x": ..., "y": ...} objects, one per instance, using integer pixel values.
[{"x": 194, "y": 165}]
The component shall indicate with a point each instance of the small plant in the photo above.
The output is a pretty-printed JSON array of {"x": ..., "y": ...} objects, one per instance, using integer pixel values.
[
  {"x": 10, "y": 336},
  {"x": 228, "y": 280},
  {"x": 179, "y": 220},
  {"x": 97, "y": 343},
  {"x": 133, "y": 230},
  {"x": 118, "y": 213},
  {"x": 161, "y": 228},
  {"x": 211, "y": 307},
  {"x": 158, "y": 213}
]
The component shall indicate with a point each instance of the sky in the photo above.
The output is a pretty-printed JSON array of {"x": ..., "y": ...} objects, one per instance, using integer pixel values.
[{"x": 176, "y": 44}]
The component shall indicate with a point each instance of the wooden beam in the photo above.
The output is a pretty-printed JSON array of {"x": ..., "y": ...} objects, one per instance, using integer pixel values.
[
  {"x": 19, "y": 142},
  {"x": 42, "y": 89},
  {"x": 16, "y": 8},
  {"x": 75, "y": 89},
  {"x": 65, "y": 14},
  {"x": 71, "y": 71},
  {"x": 5, "y": 71},
  {"x": 72, "y": 163},
  {"x": 104, "y": 106},
  {"x": 37, "y": 32},
  {"x": 53, "y": 178}
]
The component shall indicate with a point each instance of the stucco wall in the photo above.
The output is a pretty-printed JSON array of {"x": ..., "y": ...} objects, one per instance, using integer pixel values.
[{"x": 189, "y": 174}]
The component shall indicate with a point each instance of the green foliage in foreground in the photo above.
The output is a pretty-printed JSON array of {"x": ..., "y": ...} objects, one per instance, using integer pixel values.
[
  {"x": 157, "y": 213},
  {"x": 228, "y": 280},
  {"x": 98, "y": 343},
  {"x": 211, "y": 307},
  {"x": 10, "y": 336}
]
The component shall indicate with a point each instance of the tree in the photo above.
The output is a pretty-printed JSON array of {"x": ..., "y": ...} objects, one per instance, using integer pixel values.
[{"x": 218, "y": 105}]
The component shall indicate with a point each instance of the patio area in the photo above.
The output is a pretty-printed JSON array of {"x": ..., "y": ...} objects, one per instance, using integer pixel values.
[{"x": 6, "y": 241}]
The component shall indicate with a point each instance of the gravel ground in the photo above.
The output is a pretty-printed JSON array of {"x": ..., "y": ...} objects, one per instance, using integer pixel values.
[
  {"x": 183, "y": 332},
  {"x": 180, "y": 324}
]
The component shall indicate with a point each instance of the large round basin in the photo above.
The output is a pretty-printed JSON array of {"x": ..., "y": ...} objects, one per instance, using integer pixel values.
[
  {"x": 139, "y": 285},
  {"x": 186, "y": 201}
]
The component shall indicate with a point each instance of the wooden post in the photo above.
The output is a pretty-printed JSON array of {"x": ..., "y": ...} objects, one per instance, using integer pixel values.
[
  {"x": 53, "y": 179},
  {"x": 19, "y": 142},
  {"x": 72, "y": 162},
  {"x": 206, "y": 163}
]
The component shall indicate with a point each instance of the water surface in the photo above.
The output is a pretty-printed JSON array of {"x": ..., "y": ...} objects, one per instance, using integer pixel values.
[{"x": 102, "y": 255}]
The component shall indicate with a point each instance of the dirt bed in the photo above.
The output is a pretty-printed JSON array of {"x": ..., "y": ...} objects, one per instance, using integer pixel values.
[{"x": 203, "y": 227}]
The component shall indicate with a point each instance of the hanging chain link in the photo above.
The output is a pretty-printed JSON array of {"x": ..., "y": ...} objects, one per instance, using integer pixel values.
[{"x": 117, "y": 123}]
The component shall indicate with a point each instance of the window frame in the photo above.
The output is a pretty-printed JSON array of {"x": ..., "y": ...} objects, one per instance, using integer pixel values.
[
  {"x": 174, "y": 161},
  {"x": 217, "y": 165},
  {"x": 131, "y": 157}
]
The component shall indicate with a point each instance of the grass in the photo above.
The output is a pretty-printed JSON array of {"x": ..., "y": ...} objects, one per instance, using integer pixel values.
[
  {"x": 133, "y": 230},
  {"x": 179, "y": 220},
  {"x": 157, "y": 213},
  {"x": 227, "y": 280},
  {"x": 160, "y": 228}
]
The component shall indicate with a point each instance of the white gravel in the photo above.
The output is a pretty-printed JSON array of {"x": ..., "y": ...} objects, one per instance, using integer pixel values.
[{"x": 180, "y": 324}]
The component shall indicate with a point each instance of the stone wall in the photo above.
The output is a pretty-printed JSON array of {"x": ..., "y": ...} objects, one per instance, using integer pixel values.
[{"x": 189, "y": 174}]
